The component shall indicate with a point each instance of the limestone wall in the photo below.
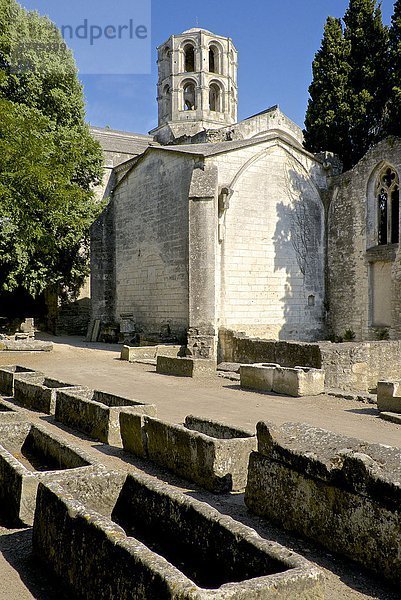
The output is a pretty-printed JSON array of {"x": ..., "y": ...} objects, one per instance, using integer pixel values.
[
  {"x": 151, "y": 233},
  {"x": 355, "y": 260},
  {"x": 271, "y": 260}
]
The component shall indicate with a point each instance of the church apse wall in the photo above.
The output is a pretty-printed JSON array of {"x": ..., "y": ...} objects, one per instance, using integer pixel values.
[
  {"x": 151, "y": 243},
  {"x": 272, "y": 246},
  {"x": 364, "y": 261}
]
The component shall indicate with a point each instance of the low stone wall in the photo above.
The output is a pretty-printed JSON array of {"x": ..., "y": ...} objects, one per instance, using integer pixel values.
[
  {"x": 133, "y": 353},
  {"x": 341, "y": 492},
  {"x": 389, "y": 396},
  {"x": 7, "y": 375},
  {"x": 96, "y": 413},
  {"x": 28, "y": 455},
  {"x": 161, "y": 544},
  {"x": 297, "y": 382},
  {"x": 25, "y": 346},
  {"x": 211, "y": 454},
  {"x": 350, "y": 366},
  {"x": 185, "y": 367},
  {"x": 39, "y": 392}
]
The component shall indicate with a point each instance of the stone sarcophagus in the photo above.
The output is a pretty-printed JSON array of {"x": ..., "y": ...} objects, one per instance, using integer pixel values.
[
  {"x": 389, "y": 396},
  {"x": 342, "y": 492},
  {"x": 39, "y": 392},
  {"x": 269, "y": 377},
  {"x": 119, "y": 536},
  {"x": 211, "y": 454},
  {"x": 96, "y": 413},
  {"x": 28, "y": 455},
  {"x": 8, "y": 374}
]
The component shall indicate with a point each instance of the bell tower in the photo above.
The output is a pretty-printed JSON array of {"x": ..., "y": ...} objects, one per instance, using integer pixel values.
[{"x": 197, "y": 85}]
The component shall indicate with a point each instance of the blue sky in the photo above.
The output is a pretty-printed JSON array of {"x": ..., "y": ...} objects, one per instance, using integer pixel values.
[{"x": 276, "y": 43}]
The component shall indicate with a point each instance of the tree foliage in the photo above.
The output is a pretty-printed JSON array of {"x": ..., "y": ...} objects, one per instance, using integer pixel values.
[
  {"x": 49, "y": 162},
  {"x": 327, "y": 114},
  {"x": 351, "y": 87},
  {"x": 394, "y": 113}
]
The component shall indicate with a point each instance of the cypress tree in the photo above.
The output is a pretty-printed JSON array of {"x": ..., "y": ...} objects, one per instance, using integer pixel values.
[
  {"x": 368, "y": 81},
  {"x": 394, "y": 118},
  {"x": 326, "y": 116}
]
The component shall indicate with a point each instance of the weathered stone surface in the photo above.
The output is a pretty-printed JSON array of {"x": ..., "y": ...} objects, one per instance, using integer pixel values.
[
  {"x": 185, "y": 367},
  {"x": 96, "y": 413},
  {"x": 38, "y": 392},
  {"x": 28, "y": 455},
  {"x": 389, "y": 396},
  {"x": 7, "y": 375},
  {"x": 391, "y": 416},
  {"x": 161, "y": 544},
  {"x": 342, "y": 492},
  {"x": 268, "y": 377},
  {"x": 133, "y": 353},
  {"x": 350, "y": 366},
  {"x": 211, "y": 454},
  {"x": 133, "y": 434},
  {"x": 258, "y": 377},
  {"x": 27, "y": 346}
]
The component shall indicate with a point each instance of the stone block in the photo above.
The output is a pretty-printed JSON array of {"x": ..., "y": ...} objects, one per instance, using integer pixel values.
[
  {"x": 213, "y": 455},
  {"x": 28, "y": 455},
  {"x": 391, "y": 416},
  {"x": 299, "y": 381},
  {"x": 161, "y": 544},
  {"x": 133, "y": 434},
  {"x": 7, "y": 375},
  {"x": 341, "y": 492},
  {"x": 27, "y": 346},
  {"x": 389, "y": 396},
  {"x": 133, "y": 353},
  {"x": 258, "y": 377},
  {"x": 96, "y": 413},
  {"x": 186, "y": 367},
  {"x": 39, "y": 392}
]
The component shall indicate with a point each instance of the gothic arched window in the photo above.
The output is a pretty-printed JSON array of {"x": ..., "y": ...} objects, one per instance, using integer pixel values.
[
  {"x": 388, "y": 207},
  {"x": 189, "y": 58},
  {"x": 189, "y": 96}
]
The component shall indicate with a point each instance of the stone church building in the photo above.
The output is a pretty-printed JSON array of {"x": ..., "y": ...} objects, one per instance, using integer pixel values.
[{"x": 216, "y": 224}]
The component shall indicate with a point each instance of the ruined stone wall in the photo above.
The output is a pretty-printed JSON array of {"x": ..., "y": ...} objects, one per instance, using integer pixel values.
[
  {"x": 351, "y": 366},
  {"x": 272, "y": 242},
  {"x": 151, "y": 237},
  {"x": 354, "y": 258}
]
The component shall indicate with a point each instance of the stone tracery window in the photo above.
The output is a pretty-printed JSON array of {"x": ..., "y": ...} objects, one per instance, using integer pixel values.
[{"x": 388, "y": 207}]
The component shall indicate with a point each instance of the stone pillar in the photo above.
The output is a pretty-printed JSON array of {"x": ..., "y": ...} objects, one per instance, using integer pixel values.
[{"x": 202, "y": 334}]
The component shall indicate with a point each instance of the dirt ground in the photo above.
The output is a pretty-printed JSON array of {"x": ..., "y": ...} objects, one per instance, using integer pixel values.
[{"x": 98, "y": 366}]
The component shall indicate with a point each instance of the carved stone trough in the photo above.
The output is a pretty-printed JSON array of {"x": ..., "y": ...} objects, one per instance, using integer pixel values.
[
  {"x": 268, "y": 377},
  {"x": 28, "y": 455},
  {"x": 39, "y": 392},
  {"x": 8, "y": 374},
  {"x": 97, "y": 413},
  {"x": 342, "y": 492},
  {"x": 119, "y": 536},
  {"x": 211, "y": 454}
]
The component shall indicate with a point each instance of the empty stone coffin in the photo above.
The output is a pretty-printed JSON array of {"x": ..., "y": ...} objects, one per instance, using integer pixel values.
[
  {"x": 341, "y": 492},
  {"x": 118, "y": 536},
  {"x": 211, "y": 454},
  {"x": 186, "y": 367},
  {"x": 96, "y": 413},
  {"x": 268, "y": 377},
  {"x": 28, "y": 455},
  {"x": 389, "y": 396},
  {"x": 7, "y": 375},
  {"x": 39, "y": 392}
]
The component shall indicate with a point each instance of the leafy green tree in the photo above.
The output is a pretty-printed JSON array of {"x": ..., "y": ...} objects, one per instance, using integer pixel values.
[
  {"x": 368, "y": 82},
  {"x": 327, "y": 113},
  {"x": 49, "y": 163},
  {"x": 394, "y": 117}
]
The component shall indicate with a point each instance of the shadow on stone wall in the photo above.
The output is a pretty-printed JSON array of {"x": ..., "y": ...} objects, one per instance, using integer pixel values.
[{"x": 299, "y": 251}]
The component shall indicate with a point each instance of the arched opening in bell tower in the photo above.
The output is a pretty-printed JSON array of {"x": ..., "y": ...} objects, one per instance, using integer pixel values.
[
  {"x": 189, "y": 94},
  {"x": 189, "y": 58},
  {"x": 215, "y": 99}
]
